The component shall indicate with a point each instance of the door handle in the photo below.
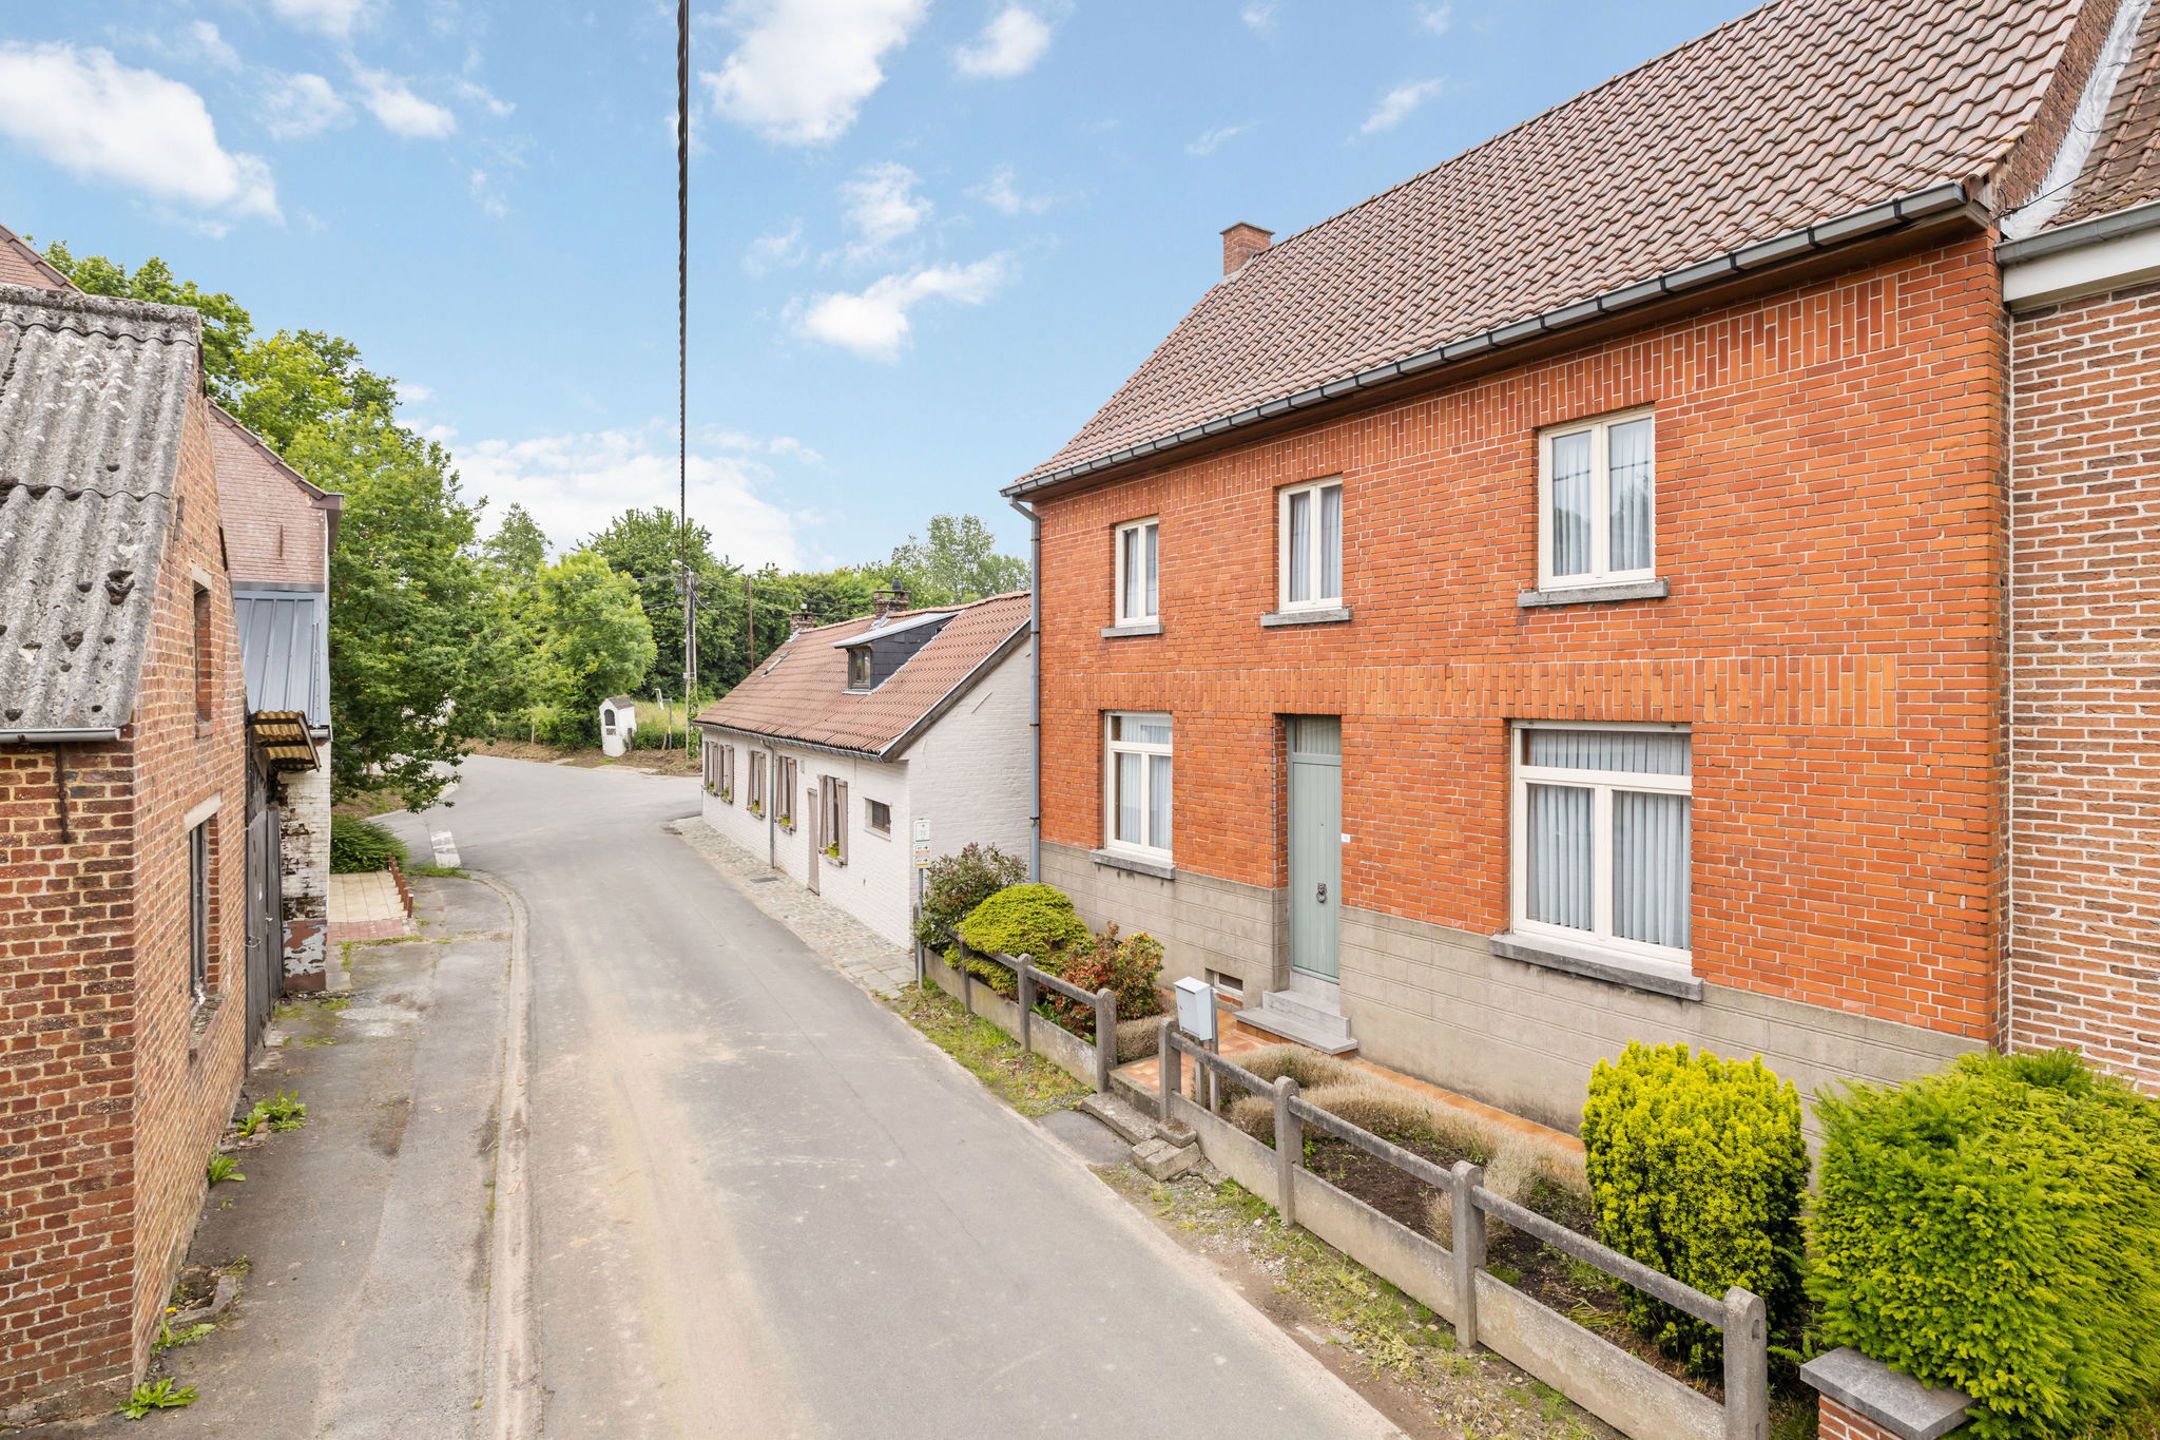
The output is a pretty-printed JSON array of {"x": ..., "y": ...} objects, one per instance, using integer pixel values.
[{"x": 1323, "y": 892}]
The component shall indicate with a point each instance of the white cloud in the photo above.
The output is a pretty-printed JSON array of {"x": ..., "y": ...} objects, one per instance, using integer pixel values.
[
  {"x": 401, "y": 112},
  {"x": 335, "y": 18},
  {"x": 874, "y": 322},
  {"x": 102, "y": 120},
  {"x": 487, "y": 196},
  {"x": 574, "y": 484},
  {"x": 412, "y": 393},
  {"x": 1261, "y": 15},
  {"x": 1213, "y": 140},
  {"x": 212, "y": 46},
  {"x": 473, "y": 92},
  {"x": 1436, "y": 18},
  {"x": 1010, "y": 44},
  {"x": 1398, "y": 104},
  {"x": 776, "y": 250},
  {"x": 882, "y": 206},
  {"x": 804, "y": 67},
  {"x": 1001, "y": 194},
  {"x": 297, "y": 106}
]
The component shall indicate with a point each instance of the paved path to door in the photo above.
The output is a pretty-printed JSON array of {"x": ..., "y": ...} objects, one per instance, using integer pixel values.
[{"x": 762, "y": 1205}]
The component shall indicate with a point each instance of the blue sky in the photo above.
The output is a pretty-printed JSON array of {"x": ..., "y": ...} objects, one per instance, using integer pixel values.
[{"x": 929, "y": 237}]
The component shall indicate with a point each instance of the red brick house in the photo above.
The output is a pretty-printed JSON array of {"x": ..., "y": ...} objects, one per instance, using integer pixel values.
[
  {"x": 1560, "y": 600},
  {"x": 123, "y": 790}
]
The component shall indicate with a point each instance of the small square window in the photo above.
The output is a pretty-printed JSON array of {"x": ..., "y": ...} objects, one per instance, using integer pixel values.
[
  {"x": 1310, "y": 550},
  {"x": 878, "y": 816},
  {"x": 1597, "y": 502},
  {"x": 1138, "y": 572}
]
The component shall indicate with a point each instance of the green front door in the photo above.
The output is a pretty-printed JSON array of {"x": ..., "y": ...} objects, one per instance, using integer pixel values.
[{"x": 1315, "y": 843}]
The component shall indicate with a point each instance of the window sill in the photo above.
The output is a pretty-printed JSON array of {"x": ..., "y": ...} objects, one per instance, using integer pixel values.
[
  {"x": 202, "y": 1014},
  {"x": 1132, "y": 628},
  {"x": 1332, "y": 615},
  {"x": 1112, "y": 860},
  {"x": 1595, "y": 963},
  {"x": 1655, "y": 589}
]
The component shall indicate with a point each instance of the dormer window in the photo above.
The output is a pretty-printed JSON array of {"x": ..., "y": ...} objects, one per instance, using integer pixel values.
[
  {"x": 858, "y": 668},
  {"x": 876, "y": 654}
]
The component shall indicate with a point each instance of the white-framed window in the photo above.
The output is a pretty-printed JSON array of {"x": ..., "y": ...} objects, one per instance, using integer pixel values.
[
  {"x": 858, "y": 668},
  {"x": 1597, "y": 501},
  {"x": 877, "y": 815},
  {"x": 1603, "y": 851},
  {"x": 1136, "y": 785},
  {"x": 1139, "y": 571},
  {"x": 1309, "y": 547}
]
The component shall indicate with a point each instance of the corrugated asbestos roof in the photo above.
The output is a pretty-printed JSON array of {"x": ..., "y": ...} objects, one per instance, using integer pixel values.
[
  {"x": 94, "y": 393},
  {"x": 801, "y": 693},
  {"x": 285, "y": 652},
  {"x": 1797, "y": 113}
]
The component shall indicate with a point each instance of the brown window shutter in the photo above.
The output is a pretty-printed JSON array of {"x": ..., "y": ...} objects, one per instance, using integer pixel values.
[{"x": 840, "y": 805}]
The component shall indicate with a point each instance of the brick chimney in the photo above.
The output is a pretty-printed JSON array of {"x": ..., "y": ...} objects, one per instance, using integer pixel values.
[
  {"x": 1241, "y": 242},
  {"x": 885, "y": 602},
  {"x": 801, "y": 620}
]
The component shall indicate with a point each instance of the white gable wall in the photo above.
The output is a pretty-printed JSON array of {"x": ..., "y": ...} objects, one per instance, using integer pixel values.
[{"x": 970, "y": 773}]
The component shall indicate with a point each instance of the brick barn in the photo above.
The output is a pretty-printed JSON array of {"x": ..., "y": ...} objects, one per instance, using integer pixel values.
[
  {"x": 123, "y": 800},
  {"x": 1560, "y": 600}
]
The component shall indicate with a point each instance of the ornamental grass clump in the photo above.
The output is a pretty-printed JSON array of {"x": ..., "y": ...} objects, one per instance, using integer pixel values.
[
  {"x": 1037, "y": 921},
  {"x": 1697, "y": 1169},
  {"x": 1996, "y": 1228}
]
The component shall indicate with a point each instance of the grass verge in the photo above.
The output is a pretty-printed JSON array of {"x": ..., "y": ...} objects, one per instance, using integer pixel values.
[{"x": 1028, "y": 1083}]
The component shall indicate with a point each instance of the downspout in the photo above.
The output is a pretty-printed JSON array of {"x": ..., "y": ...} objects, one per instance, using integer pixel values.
[{"x": 1034, "y": 688}]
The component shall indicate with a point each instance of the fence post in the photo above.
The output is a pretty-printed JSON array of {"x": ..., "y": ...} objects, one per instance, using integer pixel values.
[
  {"x": 1027, "y": 1005},
  {"x": 1289, "y": 1149},
  {"x": 1168, "y": 1064},
  {"x": 1747, "y": 1367},
  {"x": 1105, "y": 1038},
  {"x": 967, "y": 978},
  {"x": 1466, "y": 1242}
]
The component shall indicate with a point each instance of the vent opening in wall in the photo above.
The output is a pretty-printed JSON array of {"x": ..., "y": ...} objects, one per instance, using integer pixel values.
[{"x": 1230, "y": 987}]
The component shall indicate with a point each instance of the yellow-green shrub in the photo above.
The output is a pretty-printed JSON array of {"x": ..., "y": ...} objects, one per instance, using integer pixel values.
[
  {"x": 1037, "y": 921},
  {"x": 1997, "y": 1228},
  {"x": 1697, "y": 1169}
]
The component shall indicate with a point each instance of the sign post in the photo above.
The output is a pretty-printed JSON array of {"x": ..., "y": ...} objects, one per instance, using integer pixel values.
[{"x": 922, "y": 866}]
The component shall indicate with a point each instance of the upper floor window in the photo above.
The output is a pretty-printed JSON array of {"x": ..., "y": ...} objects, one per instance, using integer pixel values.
[
  {"x": 1597, "y": 502},
  {"x": 1310, "y": 548},
  {"x": 858, "y": 668},
  {"x": 1137, "y": 785},
  {"x": 1603, "y": 820},
  {"x": 1137, "y": 572}
]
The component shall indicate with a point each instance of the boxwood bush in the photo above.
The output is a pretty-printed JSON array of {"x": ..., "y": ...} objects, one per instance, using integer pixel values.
[
  {"x": 1037, "y": 921},
  {"x": 1697, "y": 1168},
  {"x": 357, "y": 845},
  {"x": 1997, "y": 1228}
]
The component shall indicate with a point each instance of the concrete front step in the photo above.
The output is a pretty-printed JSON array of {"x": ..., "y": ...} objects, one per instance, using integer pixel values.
[
  {"x": 1294, "y": 1018},
  {"x": 1131, "y": 1125}
]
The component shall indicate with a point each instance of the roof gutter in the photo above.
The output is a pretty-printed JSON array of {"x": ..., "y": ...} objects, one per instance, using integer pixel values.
[
  {"x": 58, "y": 737},
  {"x": 1758, "y": 256},
  {"x": 2133, "y": 221},
  {"x": 774, "y": 738}
]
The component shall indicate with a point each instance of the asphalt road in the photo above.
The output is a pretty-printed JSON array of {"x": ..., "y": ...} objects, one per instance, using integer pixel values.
[{"x": 763, "y": 1206}]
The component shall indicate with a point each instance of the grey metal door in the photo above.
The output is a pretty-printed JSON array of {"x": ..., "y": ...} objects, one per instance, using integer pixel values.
[{"x": 1315, "y": 826}]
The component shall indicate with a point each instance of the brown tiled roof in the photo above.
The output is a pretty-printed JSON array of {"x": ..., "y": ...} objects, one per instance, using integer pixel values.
[
  {"x": 2123, "y": 168},
  {"x": 801, "y": 693},
  {"x": 1797, "y": 113},
  {"x": 21, "y": 265}
]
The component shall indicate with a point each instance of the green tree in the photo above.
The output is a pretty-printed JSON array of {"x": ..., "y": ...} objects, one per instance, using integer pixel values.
[
  {"x": 408, "y": 683},
  {"x": 519, "y": 546},
  {"x": 598, "y": 639},
  {"x": 293, "y": 380},
  {"x": 957, "y": 561}
]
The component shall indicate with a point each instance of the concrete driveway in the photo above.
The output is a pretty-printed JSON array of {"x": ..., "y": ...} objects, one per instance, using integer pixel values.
[{"x": 762, "y": 1205}]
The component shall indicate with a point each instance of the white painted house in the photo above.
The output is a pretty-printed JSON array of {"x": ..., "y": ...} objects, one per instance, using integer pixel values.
[{"x": 825, "y": 757}]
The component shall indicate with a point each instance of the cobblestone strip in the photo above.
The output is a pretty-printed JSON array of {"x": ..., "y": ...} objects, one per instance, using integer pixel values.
[{"x": 858, "y": 952}]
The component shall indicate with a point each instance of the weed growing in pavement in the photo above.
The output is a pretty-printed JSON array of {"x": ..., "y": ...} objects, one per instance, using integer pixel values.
[
  {"x": 171, "y": 1339},
  {"x": 223, "y": 1168},
  {"x": 284, "y": 1111},
  {"x": 1028, "y": 1083},
  {"x": 151, "y": 1395},
  {"x": 438, "y": 872}
]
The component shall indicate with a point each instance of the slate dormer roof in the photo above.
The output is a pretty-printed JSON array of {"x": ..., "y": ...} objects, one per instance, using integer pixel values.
[
  {"x": 94, "y": 396},
  {"x": 1799, "y": 125},
  {"x": 800, "y": 693}
]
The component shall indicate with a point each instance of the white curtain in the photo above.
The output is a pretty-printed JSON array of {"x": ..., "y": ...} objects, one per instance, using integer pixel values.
[
  {"x": 1128, "y": 798},
  {"x": 1151, "y": 572},
  {"x": 1559, "y": 825},
  {"x": 1301, "y": 546},
  {"x": 1330, "y": 543},
  {"x": 1650, "y": 868},
  {"x": 1640, "y": 752},
  {"x": 1159, "y": 801},
  {"x": 1629, "y": 485},
  {"x": 1130, "y": 559},
  {"x": 1571, "y": 504}
]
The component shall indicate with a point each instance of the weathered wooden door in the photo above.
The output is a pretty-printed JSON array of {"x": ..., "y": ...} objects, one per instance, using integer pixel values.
[{"x": 1315, "y": 830}]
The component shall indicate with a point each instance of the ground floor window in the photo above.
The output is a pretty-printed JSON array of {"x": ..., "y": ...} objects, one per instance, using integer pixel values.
[
  {"x": 833, "y": 817},
  {"x": 1602, "y": 835},
  {"x": 1136, "y": 785},
  {"x": 757, "y": 782},
  {"x": 199, "y": 912},
  {"x": 784, "y": 792},
  {"x": 878, "y": 816}
]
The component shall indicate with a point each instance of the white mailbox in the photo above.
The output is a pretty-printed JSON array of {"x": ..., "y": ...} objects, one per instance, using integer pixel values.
[{"x": 1196, "y": 1009}]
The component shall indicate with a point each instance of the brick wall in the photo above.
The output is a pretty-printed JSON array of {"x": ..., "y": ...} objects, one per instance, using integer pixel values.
[
  {"x": 2085, "y": 680},
  {"x": 112, "y": 1090},
  {"x": 1838, "y": 1423},
  {"x": 1831, "y": 524},
  {"x": 304, "y": 852}
]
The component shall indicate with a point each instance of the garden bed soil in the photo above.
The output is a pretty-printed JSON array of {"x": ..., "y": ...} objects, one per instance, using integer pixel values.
[{"x": 680, "y": 760}]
